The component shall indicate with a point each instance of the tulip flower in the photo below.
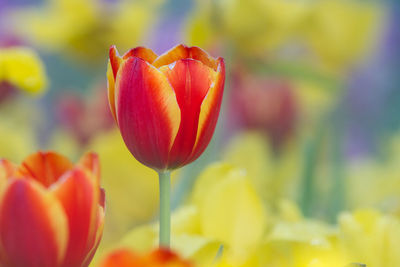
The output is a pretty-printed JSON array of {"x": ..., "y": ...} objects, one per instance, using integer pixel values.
[
  {"x": 166, "y": 108},
  {"x": 156, "y": 258},
  {"x": 51, "y": 211}
]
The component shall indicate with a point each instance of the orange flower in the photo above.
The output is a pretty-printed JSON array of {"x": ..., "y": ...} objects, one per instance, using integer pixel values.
[
  {"x": 51, "y": 211},
  {"x": 166, "y": 106},
  {"x": 157, "y": 258}
]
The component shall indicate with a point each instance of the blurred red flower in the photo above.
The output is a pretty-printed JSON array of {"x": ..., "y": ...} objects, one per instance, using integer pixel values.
[{"x": 267, "y": 104}]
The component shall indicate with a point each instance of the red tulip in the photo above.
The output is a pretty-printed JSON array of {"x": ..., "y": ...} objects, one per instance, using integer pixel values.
[
  {"x": 51, "y": 211},
  {"x": 166, "y": 106},
  {"x": 265, "y": 103},
  {"x": 157, "y": 258}
]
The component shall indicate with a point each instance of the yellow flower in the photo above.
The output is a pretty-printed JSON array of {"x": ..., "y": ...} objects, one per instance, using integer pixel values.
[
  {"x": 373, "y": 183},
  {"x": 224, "y": 209},
  {"x": 230, "y": 209},
  {"x": 22, "y": 68},
  {"x": 305, "y": 243},
  {"x": 302, "y": 243},
  {"x": 253, "y": 26},
  {"x": 274, "y": 177},
  {"x": 86, "y": 28},
  {"x": 340, "y": 31},
  {"x": 369, "y": 237},
  {"x": 335, "y": 33}
]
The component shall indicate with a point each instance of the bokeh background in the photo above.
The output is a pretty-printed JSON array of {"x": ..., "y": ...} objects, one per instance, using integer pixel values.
[{"x": 305, "y": 158}]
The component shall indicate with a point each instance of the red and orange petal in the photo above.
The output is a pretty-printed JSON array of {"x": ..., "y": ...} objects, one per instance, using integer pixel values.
[
  {"x": 209, "y": 113},
  {"x": 141, "y": 52},
  {"x": 191, "y": 81},
  {"x": 114, "y": 63},
  {"x": 115, "y": 60},
  {"x": 184, "y": 52},
  {"x": 99, "y": 229},
  {"x": 44, "y": 167},
  {"x": 111, "y": 90},
  {"x": 91, "y": 162},
  {"x": 164, "y": 257},
  {"x": 33, "y": 226},
  {"x": 123, "y": 258},
  {"x": 78, "y": 193},
  {"x": 157, "y": 258},
  {"x": 147, "y": 112},
  {"x": 7, "y": 168}
]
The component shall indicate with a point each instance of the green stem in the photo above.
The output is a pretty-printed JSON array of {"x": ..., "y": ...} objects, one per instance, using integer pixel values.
[{"x": 165, "y": 208}]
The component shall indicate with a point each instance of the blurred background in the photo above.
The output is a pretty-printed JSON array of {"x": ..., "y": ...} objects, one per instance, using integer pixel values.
[{"x": 310, "y": 118}]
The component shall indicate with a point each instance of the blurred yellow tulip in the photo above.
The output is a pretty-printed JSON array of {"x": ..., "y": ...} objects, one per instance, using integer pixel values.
[
  {"x": 231, "y": 211},
  {"x": 332, "y": 33},
  {"x": 22, "y": 68},
  {"x": 273, "y": 176},
  {"x": 253, "y": 26},
  {"x": 86, "y": 29},
  {"x": 341, "y": 31},
  {"x": 224, "y": 209},
  {"x": 370, "y": 237},
  {"x": 375, "y": 184}
]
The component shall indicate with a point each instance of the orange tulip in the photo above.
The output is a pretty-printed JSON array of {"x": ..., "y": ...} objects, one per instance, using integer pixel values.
[
  {"x": 166, "y": 106},
  {"x": 157, "y": 258},
  {"x": 51, "y": 211}
]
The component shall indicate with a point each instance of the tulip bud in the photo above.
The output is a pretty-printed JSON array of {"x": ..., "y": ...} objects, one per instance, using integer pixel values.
[
  {"x": 166, "y": 106},
  {"x": 156, "y": 258},
  {"x": 51, "y": 211}
]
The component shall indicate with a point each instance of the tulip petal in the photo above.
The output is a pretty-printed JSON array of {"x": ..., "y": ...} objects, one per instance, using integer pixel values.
[
  {"x": 209, "y": 113},
  {"x": 147, "y": 112},
  {"x": 124, "y": 258},
  {"x": 182, "y": 52},
  {"x": 79, "y": 196},
  {"x": 157, "y": 258},
  {"x": 99, "y": 227},
  {"x": 111, "y": 90},
  {"x": 141, "y": 52},
  {"x": 115, "y": 60},
  {"x": 91, "y": 162},
  {"x": 165, "y": 257},
  {"x": 7, "y": 168},
  {"x": 176, "y": 53},
  {"x": 112, "y": 69},
  {"x": 199, "y": 54},
  {"x": 33, "y": 226},
  {"x": 191, "y": 81},
  {"x": 44, "y": 167}
]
